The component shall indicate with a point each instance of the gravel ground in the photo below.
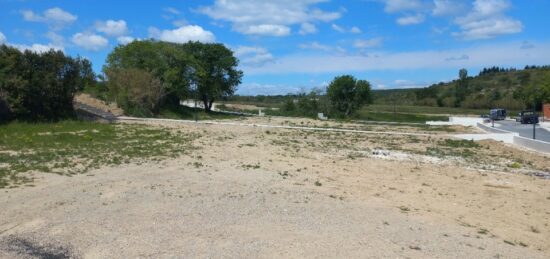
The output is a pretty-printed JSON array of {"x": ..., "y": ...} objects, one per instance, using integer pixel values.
[{"x": 241, "y": 194}]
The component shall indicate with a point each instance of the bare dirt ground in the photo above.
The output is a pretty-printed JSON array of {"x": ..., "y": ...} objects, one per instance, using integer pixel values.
[
  {"x": 94, "y": 102},
  {"x": 257, "y": 192}
]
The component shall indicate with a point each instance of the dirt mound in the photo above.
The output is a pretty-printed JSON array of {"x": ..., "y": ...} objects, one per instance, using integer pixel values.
[{"x": 98, "y": 104}]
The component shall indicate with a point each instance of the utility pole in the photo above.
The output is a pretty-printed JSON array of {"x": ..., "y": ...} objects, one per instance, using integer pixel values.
[
  {"x": 394, "y": 109},
  {"x": 534, "y": 122}
]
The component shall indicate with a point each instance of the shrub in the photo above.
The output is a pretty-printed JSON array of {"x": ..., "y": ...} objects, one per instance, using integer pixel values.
[{"x": 40, "y": 86}]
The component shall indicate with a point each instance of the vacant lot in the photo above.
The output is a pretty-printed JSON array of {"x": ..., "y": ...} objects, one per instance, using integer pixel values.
[{"x": 240, "y": 191}]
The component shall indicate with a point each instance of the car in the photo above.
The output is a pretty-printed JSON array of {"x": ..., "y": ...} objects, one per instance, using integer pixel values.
[
  {"x": 497, "y": 114},
  {"x": 528, "y": 117}
]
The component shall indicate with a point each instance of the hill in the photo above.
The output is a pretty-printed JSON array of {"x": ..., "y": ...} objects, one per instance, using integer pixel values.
[{"x": 494, "y": 87}]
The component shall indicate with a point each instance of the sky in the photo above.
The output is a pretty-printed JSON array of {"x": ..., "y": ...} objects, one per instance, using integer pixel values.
[{"x": 288, "y": 46}]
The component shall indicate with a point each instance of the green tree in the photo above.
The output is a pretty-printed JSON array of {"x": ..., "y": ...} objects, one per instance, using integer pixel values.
[
  {"x": 346, "y": 94},
  {"x": 461, "y": 89},
  {"x": 166, "y": 61},
  {"x": 136, "y": 91},
  {"x": 216, "y": 72},
  {"x": 41, "y": 86}
]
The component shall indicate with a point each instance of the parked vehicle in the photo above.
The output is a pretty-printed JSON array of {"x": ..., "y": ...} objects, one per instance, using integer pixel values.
[
  {"x": 528, "y": 117},
  {"x": 497, "y": 114}
]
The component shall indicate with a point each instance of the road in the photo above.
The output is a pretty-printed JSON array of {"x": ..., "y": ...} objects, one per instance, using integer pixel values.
[{"x": 524, "y": 130}]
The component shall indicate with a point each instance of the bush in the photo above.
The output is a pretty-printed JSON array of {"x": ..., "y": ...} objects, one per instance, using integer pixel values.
[
  {"x": 42, "y": 86},
  {"x": 136, "y": 91}
]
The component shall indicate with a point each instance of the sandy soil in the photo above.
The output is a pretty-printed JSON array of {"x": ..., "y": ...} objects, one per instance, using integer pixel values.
[
  {"x": 94, "y": 102},
  {"x": 255, "y": 192}
]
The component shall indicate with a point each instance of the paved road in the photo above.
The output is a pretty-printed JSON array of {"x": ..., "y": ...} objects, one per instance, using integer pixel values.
[{"x": 524, "y": 130}]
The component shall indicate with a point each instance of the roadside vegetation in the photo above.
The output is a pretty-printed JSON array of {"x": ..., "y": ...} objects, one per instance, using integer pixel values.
[{"x": 71, "y": 147}]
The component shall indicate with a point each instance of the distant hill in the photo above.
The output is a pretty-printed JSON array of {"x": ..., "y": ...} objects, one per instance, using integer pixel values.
[{"x": 494, "y": 87}]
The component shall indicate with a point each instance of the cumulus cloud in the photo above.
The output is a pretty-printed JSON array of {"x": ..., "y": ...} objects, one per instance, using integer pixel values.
[
  {"x": 448, "y": 7},
  {"x": 315, "y": 46},
  {"x": 503, "y": 54},
  {"x": 253, "y": 56},
  {"x": 394, "y": 6},
  {"x": 411, "y": 19},
  {"x": 355, "y": 30},
  {"x": 338, "y": 28},
  {"x": 55, "y": 17},
  {"x": 124, "y": 39},
  {"x": 3, "y": 38},
  {"x": 308, "y": 28},
  {"x": 112, "y": 28},
  {"x": 90, "y": 41},
  {"x": 266, "y": 30},
  {"x": 370, "y": 43},
  {"x": 487, "y": 20},
  {"x": 38, "y": 48},
  {"x": 267, "y": 18},
  {"x": 183, "y": 34}
]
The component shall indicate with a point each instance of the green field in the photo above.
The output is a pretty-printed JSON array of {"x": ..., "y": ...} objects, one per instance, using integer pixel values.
[
  {"x": 428, "y": 110},
  {"x": 71, "y": 147}
]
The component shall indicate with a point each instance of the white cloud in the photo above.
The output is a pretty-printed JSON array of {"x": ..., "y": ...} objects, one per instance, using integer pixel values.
[
  {"x": 307, "y": 28},
  {"x": 394, "y": 6},
  {"x": 90, "y": 41},
  {"x": 38, "y": 48},
  {"x": 3, "y": 38},
  {"x": 266, "y": 30},
  {"x": 448, "y": 7},
  {"x": 125, "y": 39},
  {"x": 267, "y": 18},
  {"x": 55, "y": 38},
  {"x": 315, "y": 46},
  {"x": 487, "y": 20},
  {"x": 365, "y": 44},
  {"x": 112, "y": 28},
  {"x": 253, "y": 56},
  {"x": 184, "y": 34},
  {"x": 411, "y": 19},
  {"x": 503, "y": 54},
  {"x": 338, "y": 28},
  {"x": 172, "y": 10},
  {"x": 355, "y": 30},
  {"x": 55, "y": 17}
]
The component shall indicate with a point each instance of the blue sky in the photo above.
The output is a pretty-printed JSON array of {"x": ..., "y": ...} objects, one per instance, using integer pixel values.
[{"x": 293, "y": 45}]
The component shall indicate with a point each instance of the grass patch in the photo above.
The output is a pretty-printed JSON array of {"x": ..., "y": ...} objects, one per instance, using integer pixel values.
[
  {"x": 70, "y": 147},
  {"x": 187, "y": 113},
  {"x": 373, "y": 115},
  {"x": 459, "y": 143}
]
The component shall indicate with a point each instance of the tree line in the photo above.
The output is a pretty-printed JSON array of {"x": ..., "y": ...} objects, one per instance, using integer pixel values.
[
  {"x": 342, "y": 98},
  {"x": 40, "y": 86}
]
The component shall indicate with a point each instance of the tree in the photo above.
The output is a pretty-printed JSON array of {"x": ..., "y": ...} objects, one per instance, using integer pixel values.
[
  {"x": 197, "y": 70},
  {"x": 461, "y": 90},
  {"x": 215, "y": 70},
  {"x": 41, "y": 86},
  {"x": 137, "y": 91},
  {"x": 346, "y": 94},
  {"x": 166, "y": 61}
]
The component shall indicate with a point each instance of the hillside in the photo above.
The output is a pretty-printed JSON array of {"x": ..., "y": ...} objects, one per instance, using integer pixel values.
[{"x": 493, "y": 87}]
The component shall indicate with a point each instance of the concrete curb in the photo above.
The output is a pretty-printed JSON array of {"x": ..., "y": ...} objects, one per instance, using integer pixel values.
[{"x": 533, "y": 144}]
